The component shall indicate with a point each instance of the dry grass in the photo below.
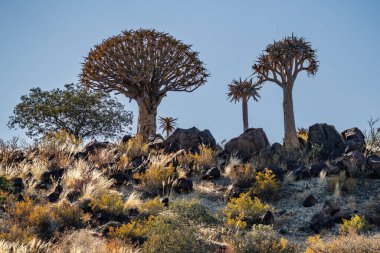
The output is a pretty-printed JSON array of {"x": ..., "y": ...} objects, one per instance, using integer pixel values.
[{"x": 344, "y": 244}]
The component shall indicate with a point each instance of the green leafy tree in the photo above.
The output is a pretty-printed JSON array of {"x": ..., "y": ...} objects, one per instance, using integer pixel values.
[
  {"x": 243, "y": 90},
  {"x": 76, "y": 110},
  {"x": 144, "y": 65},
  {"x": 168, "y": 124},
  {"x": 280, "y": 63}
]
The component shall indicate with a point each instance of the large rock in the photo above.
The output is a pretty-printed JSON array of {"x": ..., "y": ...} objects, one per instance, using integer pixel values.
[
  {"x": 249, "y": 143},
  {"x": 374, "y": 165},
  {"x": 188, "y": 139},
  {"x": 182, "y": 185},
  {"x": 329, "y": 138},
  {"x": 354, "y": 163},
  {"x": 353, "y": 139}
]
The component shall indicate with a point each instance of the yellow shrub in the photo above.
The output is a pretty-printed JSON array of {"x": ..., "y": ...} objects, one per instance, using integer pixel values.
[
  {"x": 69, "y": 216},
  {"x": 266, "y": 186},
  {"x": 44, "y": 221},
  {"x": 108, "y": 202},
  {"x": 242, "y": 174},
  {"x": 156, "y": 177},
  {"x": 303, "y": 133},
  {"x": 152, "y": 206},
  {"x": 205, "y": 158},
  {"x": 244, "y": 208},
  {"x": 135, "y": 147},
  {"x": 123, "y": 162},
  {"x": 22, "y": 209},
  {"x": 130, "y": 232},
  {"x": 356, "y": 225},
  {"x": 344, "y": 244}
]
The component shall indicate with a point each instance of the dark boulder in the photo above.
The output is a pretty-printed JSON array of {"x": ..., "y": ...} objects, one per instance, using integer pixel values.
[
  {"x": 155, "y": 141},
  {"x": 354, "y": 162},
  {"x": 54, "y": 197},
  {"x": 164, "y": 201},
  {"x": 267, "y": 218},
  {"x": 52, "y": 174},
  {"x": 73, "y": 196},
  {"x": 374, "y": 165},
  {"x": 329, "y": 138},
  {"x": 309, "y": 201},
  {"x": 342, "y": 214},
  {"x": 316, "y": 169},
  {"x": 321, "y": 221},
  {"x": 182, "y": 185},
  {"x": 373, "y": 214},
  {"x": 302, "y": 172},
  {"x": 188, "y": 139},
  {"x": 278, "y": 172},
  {"x": 119, "y": 178},
  {"x": 249, "y": 143},
  {"x": 353, "y": 139},
  {"x": 18, "y": 184},
  {"x": 330, "y": 207},
  {"x": 126, "y": 138},
  {"x": 211, "y": 174},
  {"x": 94, "y": 146},
  {"x": 277, "y": 149}
]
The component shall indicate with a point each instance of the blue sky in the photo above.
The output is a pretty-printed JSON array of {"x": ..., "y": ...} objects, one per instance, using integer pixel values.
[{"x": 42, "y": 43}]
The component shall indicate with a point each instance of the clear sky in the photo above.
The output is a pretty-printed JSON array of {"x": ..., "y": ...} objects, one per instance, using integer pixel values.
[{"x": 42, "y": 43}]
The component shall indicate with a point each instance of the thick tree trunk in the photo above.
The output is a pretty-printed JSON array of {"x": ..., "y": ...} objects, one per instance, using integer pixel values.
[
  {"x": 245, "y": 114},
  {"x": 146, "y": 125},
  {"x": 291, "y": 139}
]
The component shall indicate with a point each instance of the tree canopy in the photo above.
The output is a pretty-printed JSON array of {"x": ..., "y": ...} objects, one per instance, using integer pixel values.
[
  {"x": 143, "y": 65},
  {"x": 80, "y": 112}
]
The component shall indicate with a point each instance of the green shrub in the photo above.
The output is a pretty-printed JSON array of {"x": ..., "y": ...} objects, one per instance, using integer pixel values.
[
  {"x": 170, "y": 234},
  {"x": 6, "y": 185},
  {"x": 192, "y": 210},
  {"x": 262, "y": 239}
]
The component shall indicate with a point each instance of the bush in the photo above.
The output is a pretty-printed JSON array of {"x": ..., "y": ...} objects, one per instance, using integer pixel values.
[
  {"x": 21, "y": 211},
  {"x": 243, "y": 211},
  {"x": 344, "y": 244},
  {"x": 170, "y": 234},
  {"x": 204, "y": 158},
  {"x": 341, "y": 183},
  {"x": 262, "y": 239},
  {"x": 156, "y": 177},
  {"x": 108, "y": 202},
  {"x": 192, "y": 210},
  {"x": 6, "y": 185},
  {"x": 135, "y": 147},
  {"x": 152, "y": 206},
  {"x": 69, "y": 216},
  {"x": 242, "y": 175},
  {"x": 372, "y": 137},
  {"x": 133, "y": 232},
  {"x": 16, "y": 234},
  {"x": 33, "y": 246},
  {"x": 266, "y": 186},
  {"x": 356, "y": 225},
  {"x": 43, "y": 222}
]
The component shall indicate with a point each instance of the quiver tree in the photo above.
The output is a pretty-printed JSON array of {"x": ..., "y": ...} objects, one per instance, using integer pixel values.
[
  {"x": 168, "y": 124},
  {"x": 280, "y": 63},
  {"x": 243, "y": 90},
  {"x": 143, "y": 65}
]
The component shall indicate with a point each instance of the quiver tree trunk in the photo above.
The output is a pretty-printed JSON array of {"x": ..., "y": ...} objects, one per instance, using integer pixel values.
[
  {"x": 146, "y": 125},
  {"x": 245, "y": 113},
  {"x": 291, "y": 139}
]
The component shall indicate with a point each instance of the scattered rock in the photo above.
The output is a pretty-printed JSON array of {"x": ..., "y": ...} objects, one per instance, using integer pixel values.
[
  {"x": 73, "y": 196},
  {"x": 164, "y": 201},
  {"x": 188, "y": 139},
  {"x": 330, "y": 207},
  {"x": 120, "y": 178},
  {"x": 321, "y": 221},
  {"x": 54, "y": 197},
  {"x": 354, "y": 162},
  {"x": 182, "y": 185},
  {"x": 374, "y": 165},
  {"x": 329, "y": 138},
  {"x": 310, "y": 201},
  {"x": 267, "y": 218},
  {"x": 316, "y": 169},
  {"x": 126, "y": 138},
  {"x": 18, "y": 184},
  {"x": 353, "y": 139},
  {"x": 211, "y": 174},
  {"x": 251, "y": 142},
  {"x": 342, "y": 214}
]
